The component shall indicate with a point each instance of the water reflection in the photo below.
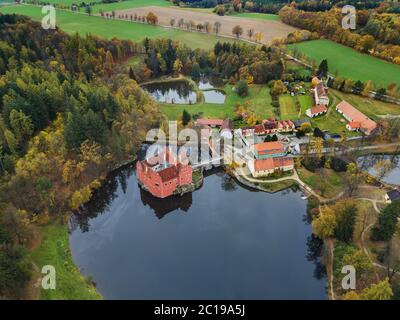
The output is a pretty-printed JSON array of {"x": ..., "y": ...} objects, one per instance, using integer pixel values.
[
  {"x": 175, "y": 92},
  {"x": 214, "y": 96},
  {"x": 382, "y": 166},
  {"x": 161, "y": 207},
  {"x": 220, "y": 242}
]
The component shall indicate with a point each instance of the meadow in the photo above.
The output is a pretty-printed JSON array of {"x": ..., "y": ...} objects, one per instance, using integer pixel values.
[
  {"x": 258, "y": 101},
  {"x": 255, "y": 15},
  {"x": 96, "y": 25},
  {"x": 349, "y": 63}
]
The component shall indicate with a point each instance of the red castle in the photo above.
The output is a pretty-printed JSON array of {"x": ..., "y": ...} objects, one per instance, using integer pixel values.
[{"x": 162, "y": 174}]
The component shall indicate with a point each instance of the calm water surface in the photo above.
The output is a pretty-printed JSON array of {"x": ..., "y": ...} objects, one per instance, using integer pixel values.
[
  {"x": 221, "y": 242},
  {"x": 369, "y": 162},
  {"x": 175, "y": 92}
]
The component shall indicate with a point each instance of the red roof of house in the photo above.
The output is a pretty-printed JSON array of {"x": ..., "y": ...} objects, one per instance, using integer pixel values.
[
  {"x": 264, "y": 164},
  {"x": 318, "y": 109},
  {"x": 273, "y": 145},
  {"x": 259, "y": 128},
  {"x": 354, "y": 124},
  {"x": 357, "y": 116},
  {"x": 210, "y": 122},
  {"x": 272, "y": 163}
]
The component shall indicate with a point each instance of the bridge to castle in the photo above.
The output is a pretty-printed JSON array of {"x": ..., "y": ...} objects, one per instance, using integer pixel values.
[{"x": 209, "y": 163}]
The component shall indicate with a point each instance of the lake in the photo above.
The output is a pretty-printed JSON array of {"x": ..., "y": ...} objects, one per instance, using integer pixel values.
[
  {"x": 393, "y": 173},
  {"x": 222, "y": 241},
  {"x": 174, "y": 92}
]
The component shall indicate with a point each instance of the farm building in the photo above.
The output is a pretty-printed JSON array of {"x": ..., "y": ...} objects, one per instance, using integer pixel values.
[
  {"x": 357, "y": 120},
  {"x": 316, "y": 111}
]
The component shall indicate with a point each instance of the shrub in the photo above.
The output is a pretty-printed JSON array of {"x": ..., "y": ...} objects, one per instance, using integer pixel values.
[{"x": 242, "y": 88}]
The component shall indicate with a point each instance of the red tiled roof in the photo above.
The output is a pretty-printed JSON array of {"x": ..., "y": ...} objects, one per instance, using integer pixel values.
[
  {"x": 354, "y": 124},
  {"x": 259, "y": 128},
  {"x": 264, "y": 164},
  {"x": 227, "y": 124},
  {"x": 318, "y": 109},
  {"x": 169, "y": 173},
  {"x": 210, "y": 122},
  {"x": 273, "y": 145},
  {"x": 357, "y": 116},
  {"x": 272, "y": 163}
]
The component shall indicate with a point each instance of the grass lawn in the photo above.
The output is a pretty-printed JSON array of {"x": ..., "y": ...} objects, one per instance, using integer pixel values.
[
  {"x": 287, "y": 105},
  {"x": 294, "y": 66},
  {"x": 306, "y": 102},
  {"x": 83, "y": 24},
  {"x": 260, "y": 16},
  {"x": 370, "y": 107},
  {"x": 258, "y": 100},
  {"x": 350, "y": 63},
  {"x": 54, "y": 250},
  {"x": 129, "y": 4},
  {"x": 325, "y": 182}
]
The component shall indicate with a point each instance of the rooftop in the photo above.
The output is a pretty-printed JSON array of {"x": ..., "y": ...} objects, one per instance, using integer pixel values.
[{"x": 273, "y": 145}]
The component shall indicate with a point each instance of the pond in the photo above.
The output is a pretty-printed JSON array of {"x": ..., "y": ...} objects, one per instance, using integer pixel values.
[
  {"x": 214, "y": 96},
  {"x": 210, "y": 92},
  {"x": 392, "y": 174},
  {"x": 174, "y": 92},
  {"x": 222, "y": 241}
]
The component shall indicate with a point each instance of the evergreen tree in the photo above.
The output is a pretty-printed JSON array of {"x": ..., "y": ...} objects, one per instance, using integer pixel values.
[
  {"x": 186, "y": 117},
  {"x": 323, "y": 69}
]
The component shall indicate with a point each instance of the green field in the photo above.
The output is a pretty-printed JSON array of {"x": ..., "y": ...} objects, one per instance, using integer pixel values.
[
  {"x": 54, "y": 250},
  {"x": 116, "y": 5},
  {"x": 306, "y": 102},
  {"x": 129, "y": 4},
  {"x": 259, "y": 101},
  {"x": 349, "y": 63},
  {"x": 287, "y": 105},
  {"x": 259, "y": 16},
  {"x": 374, "y": 109},
  {"x": 106, "y": 28}
]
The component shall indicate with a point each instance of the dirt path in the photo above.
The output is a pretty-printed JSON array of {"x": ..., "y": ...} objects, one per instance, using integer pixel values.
[{"x": 269, "y": 28}]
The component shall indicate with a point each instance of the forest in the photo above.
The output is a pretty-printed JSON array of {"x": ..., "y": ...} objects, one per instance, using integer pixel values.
[{"x": 68, "y": 117}]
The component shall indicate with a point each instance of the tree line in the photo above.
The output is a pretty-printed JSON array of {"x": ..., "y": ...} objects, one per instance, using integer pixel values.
[{"x": 68, "y": 115}]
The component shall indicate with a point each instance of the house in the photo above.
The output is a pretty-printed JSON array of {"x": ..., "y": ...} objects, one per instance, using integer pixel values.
[
  {"x": 320, "y": 92},
  {"x": 357, "y": 120},
  {"x": 268, "y": 150},
  {"x": 213, "y": 123},
  {"x": 392, "y": 195},
  {"x": 264, "y": 167},
  {"x": 269, "y": 126},
  {"x": 316, "y": 111},
  {"x": 162, "y": 174},
  {"x": 225, "y": 126}
]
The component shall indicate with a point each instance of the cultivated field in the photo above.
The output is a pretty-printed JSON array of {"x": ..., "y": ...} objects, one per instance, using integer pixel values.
[
  {"x": 106, "y": 28},
  {"x": 349, "y": 63},
  {"x": 269, "y": 28}
]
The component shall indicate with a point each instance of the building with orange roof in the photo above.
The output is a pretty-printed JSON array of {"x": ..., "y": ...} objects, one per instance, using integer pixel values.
[
  {"x": 268, "y": 150},
  {"x": 265, "y": 167},
  {"x": 320, "y": 92},
  {"x": 357, "y": 120},
  {"x": 316, "y": 111}
]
